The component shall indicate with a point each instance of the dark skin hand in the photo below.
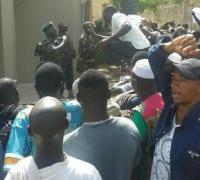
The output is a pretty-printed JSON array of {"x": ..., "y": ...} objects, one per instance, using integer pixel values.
[
  {"x": 182, "y": 88},
  {"x": 185, "y": 45},
  {"x": 124, "y": 30}
]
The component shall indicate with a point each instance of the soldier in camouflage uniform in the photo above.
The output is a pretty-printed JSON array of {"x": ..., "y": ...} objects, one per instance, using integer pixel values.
[
  {"x": 88, "y": 45},
  {"x": 49, "y": 50},
  {"x": 68, "y": 53}
]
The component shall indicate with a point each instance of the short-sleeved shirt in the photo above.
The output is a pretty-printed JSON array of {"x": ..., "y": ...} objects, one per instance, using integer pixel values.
[
  {"x": 113, "y": 147},
  {"x": 71, "y": 168},
  {"x": 135, "y": 36},
  {"x": 20, "y": 144}
]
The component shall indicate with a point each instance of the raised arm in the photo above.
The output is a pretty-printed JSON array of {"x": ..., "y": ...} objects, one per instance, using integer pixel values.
[
  {"x": 157, "y": 58},
  {"x": 126, "y": 27},
  {"x": 185, "y": 45}
]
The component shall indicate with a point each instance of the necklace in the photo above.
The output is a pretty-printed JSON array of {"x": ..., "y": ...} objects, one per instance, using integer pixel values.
[{"x": 96, "y": 122}]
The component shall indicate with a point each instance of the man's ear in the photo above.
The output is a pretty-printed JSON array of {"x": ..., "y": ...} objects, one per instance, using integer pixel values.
[{"x": 29, "y": 131}]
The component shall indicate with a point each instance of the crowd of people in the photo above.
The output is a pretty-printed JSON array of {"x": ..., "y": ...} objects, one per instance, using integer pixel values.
[{"x": 144, "y": 127}]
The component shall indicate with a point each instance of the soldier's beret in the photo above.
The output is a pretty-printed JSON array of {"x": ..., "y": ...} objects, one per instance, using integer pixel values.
[{"x": 46, "y": 27}]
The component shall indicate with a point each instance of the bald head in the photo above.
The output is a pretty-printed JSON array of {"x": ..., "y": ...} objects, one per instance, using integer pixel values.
[
  {"x": 48, "y": 119},
  {"x": 8, "y": 92}
]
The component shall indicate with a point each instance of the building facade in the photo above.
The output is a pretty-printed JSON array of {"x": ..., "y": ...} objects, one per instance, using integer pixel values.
[
  {"x": 20, "y": 31},
  {"x": 96, "y": 7}
]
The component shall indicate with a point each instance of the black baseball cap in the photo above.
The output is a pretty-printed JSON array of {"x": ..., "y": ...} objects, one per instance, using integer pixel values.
[{"x": 189, "y": 68}]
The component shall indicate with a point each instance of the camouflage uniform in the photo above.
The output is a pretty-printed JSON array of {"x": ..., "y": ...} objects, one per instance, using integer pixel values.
[
  {"x": 87, "y": 49},
  {"x": 68, "y": 53},
  {"x": 45, "y": 49},
  {"x": 46, "y": 52}
]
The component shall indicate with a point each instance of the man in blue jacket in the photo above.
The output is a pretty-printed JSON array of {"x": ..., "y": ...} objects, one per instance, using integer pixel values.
[{"x": 176, "y": 144}]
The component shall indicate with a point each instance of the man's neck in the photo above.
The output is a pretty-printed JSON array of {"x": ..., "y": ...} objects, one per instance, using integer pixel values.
[
  {"x": 93, "y": 115},
  {"x": 183, "y": 110},
  {"x": 48, "y": 156}
]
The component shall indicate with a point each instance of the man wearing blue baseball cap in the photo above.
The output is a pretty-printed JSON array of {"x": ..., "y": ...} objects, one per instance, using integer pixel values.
[{"x": 176, "y": 144}]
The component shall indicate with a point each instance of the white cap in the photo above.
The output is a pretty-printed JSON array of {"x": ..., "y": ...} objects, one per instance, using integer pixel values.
[
  {"x": 196, "y": 11},
  {"x": 142, "y": 69},
  {"x": 175, "y": 57}
]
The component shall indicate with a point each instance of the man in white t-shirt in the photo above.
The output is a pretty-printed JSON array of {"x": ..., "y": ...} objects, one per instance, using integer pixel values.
[
  {"x": 47, "y": 126},
  {"x": 126, "y": 38}
]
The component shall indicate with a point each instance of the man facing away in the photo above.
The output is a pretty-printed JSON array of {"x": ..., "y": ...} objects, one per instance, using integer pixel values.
[
  {"x": 111, "y": 144},
  {"x": 47, "y": 126},
  {"x": 176, "y": 141},
  {"x": 48, "y": 82},
  {"x": 9, "y": 107}
]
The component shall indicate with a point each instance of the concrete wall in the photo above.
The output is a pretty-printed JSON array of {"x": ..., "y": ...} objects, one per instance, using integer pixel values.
[
  {"x": 1, "y": 48},
  {"x": 97, "y": 8},
  {"x": 30, "y": 15},
  {"x": 181, "y": 13}
]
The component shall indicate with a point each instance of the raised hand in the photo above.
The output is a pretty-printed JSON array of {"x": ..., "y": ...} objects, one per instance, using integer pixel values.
[{"x": 185, "y": 45}]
